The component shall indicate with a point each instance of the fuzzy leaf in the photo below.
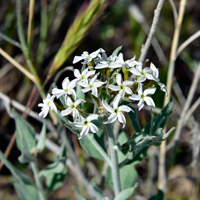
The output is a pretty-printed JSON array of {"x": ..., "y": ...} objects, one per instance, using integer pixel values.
[
  {"x": 25, "y": 138},
  {"x": 116, "y": 51},
  {"x": 15, "y": 172},
  {"x": 125, "y": 194},
  {"x": 25, "y": 191},
  {"x": 89, "y": 147}
]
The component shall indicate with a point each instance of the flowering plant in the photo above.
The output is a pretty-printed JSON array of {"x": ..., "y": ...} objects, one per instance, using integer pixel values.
[{"x": 109, "y": 86}]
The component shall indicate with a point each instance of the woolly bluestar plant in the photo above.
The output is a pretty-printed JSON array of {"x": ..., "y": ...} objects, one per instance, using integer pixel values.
[{"x": 102, "y": 93}]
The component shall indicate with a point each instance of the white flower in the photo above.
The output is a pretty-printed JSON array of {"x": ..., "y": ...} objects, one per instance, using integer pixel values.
[
  {"x": 92, "y": 85},
  {"x": 142, "y": 96},
  {"x": 128, "y": 63},
  {"x": 142, "y": 74},
  {"x": 87, "y": 125},
  {"x": 107, "y": 62},
  {"x": 116, "y": 112},
  {"x": 122, "y": 86},
  {"x": 72, "y": 108},
  {"x": 47, "y": 103},
  {"x": 156, "y": 76},
  {"x": 87, "y": 57},
  {"x": 83, "y": 77},
  {"x": 67, "y": 88}
]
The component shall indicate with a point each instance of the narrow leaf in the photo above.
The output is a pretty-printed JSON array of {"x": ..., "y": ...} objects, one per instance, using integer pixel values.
[
  {"x": 116, "y": 51},
  {"x": 134, "y": 119}
]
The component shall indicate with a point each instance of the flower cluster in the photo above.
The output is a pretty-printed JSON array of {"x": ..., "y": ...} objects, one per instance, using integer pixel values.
[{"x": 105, "y": 82}]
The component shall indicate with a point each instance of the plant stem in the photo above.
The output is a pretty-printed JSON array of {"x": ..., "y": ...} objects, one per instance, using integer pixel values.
[
  {"x": 152, "y": 31},
  {"x": 37, "y": 181},
  {"x": 114, "y": 159},
  {"x": 162, "y": 181},
  {"x": 99, "y": 149}
]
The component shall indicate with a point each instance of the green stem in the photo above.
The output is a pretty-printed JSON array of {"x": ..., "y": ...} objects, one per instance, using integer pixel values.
[
  {"x": 37, "y": 181},
  {"x": 10, "y": 40},
  {"x": 25, "y": 49},
  {"x": 99, "y": 149},
  {"x": 114, "y": 159}
]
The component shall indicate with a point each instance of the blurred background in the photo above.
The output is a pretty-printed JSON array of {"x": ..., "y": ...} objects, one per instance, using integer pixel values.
[{"x": 121, "y": 22}]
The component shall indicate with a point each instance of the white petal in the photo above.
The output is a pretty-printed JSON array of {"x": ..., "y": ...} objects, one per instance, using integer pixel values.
[
  {"x": 141, "y": 104},
  {"x": 155, "y": 70},
  {"x": 57, "y": 91},
  {"x": 163, "y": 88},
  {"x": 135, "y": 71},
  {"x": 135, "y": 97},
  {"x": 40, "y": 105},
  {"x": 149, "y": 91},
  {"x": 77, "y": 73},
  {"x": 150, "y": 77},
  {"x": 119, "y": 79},
  {"x": 108, "y": 108},
  {"x": 77, "y": 59},
  {"x": 73, "y": 93},
  {"x": 69, "y": 101},
  {"x": 114, "y": 87},
  {"x": 83, "y": 84},
  {"x": 90, "y": 73},
  {"x": 44, "y": 112},
  {"x": 93, "y": 128},
  {"x": 140, "y": 88},
  {"x": 85, "y": 90},
  {"x": 66, "y": 111},
  {"x": 92, "y": 117},
  {"x": 84, "y": 131},
  {"x": 94, "y": 92},
  {"x": 101, "y": 66},
  {"x": 142, "y": 78},
  {"x": 99, "y": 83},
  {"x": 78, "y": 124},
  {"x": 111, "y": 118},
  {"x": 122, "y": 119},
  {"x": 65, "y": 83},
  {"x": 87, "y": 60},
  {"x": 94, "y": 78},
  {"x": 128, "y": 90},
  {"x": 53, "y": 106},
  {"x": 128, "y": 83},
  {"x": 115, "y": 65},
  {"x": 120, "y": 58},
  {"x": 149, "y": 101},
  {"x": 117, "y": 100},
  {"x": 124, "y": 108},
  {"x": 95, "y": 53},
  {"x": 77, "y": 102}
]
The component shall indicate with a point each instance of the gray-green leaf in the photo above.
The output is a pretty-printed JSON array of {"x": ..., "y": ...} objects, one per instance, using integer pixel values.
[
  {"x": 125, "y": 194},
  {"x": 25, "y": 138}
]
